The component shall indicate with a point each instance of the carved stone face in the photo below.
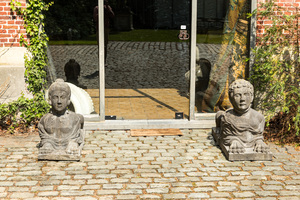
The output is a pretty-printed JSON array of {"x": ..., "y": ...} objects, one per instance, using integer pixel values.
[
  {"x": 59, "y": 101},
  {"x": 241, "y": 99}
]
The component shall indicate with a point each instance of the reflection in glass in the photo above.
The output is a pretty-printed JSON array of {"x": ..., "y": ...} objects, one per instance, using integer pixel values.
[
  {"x": 73, "y": 51},
  {"x": 222, "y": 42}
]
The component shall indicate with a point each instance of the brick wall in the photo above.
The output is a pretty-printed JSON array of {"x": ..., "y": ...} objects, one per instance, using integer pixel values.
[
  {"x": 289, "y": 5},
  {"x": 11, "y": 25}
]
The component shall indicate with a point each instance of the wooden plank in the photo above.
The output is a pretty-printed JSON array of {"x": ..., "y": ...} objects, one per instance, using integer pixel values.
[{"x": 155, "y": 132}]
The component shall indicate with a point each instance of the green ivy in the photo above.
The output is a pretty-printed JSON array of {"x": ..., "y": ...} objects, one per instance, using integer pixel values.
[
  {"x": 276, "y": 71},
  {"x": 23, "y": 110}
]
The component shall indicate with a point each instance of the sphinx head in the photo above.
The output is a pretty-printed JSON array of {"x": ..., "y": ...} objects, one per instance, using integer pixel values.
[{"x": 241, "y": 95}]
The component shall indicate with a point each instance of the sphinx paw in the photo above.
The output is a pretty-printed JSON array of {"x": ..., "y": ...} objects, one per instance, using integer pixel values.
[
  {"x": 261, "y": 147},
  {"x": 236, "y": 147},
  {"x": 72, "y": 148},
  {"x": 47, "y": 148}
]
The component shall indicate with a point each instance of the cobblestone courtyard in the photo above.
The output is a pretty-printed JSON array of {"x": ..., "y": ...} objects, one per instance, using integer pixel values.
[{"x": 115, "y": 165}]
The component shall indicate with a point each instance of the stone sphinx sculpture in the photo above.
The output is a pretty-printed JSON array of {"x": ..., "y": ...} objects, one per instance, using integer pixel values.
[
  {"x": 60, "y": 130},
  {"x": 239, "y": 130}
]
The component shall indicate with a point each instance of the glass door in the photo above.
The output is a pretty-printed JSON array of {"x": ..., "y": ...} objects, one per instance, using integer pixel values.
[{"x": 147, "y": 59}]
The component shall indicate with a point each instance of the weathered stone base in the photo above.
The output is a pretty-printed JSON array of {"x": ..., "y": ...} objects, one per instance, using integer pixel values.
[
  {"x": 249, "y": 154},
  {"x": 62, "y": 157}
]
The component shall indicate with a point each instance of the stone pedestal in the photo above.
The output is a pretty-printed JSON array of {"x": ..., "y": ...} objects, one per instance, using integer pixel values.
[
  {"x": 248, "y": 155},
  {"x": 62, "y": 155}
]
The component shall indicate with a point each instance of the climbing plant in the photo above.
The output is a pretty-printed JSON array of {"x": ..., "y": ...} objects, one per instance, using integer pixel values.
[
  {"x": 276, "y": 72},
  {"x": 24, "y": 110}
]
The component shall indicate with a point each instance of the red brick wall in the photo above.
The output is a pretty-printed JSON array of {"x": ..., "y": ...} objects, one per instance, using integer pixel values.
[
  {"x": 11, "y": 25},
  {"x": 289, "y": 5}
]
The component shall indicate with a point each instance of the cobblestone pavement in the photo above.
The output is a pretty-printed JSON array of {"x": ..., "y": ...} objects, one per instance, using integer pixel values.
[
  {"x": 133, "y": 64},
  {"x": 115, "y": 165}
]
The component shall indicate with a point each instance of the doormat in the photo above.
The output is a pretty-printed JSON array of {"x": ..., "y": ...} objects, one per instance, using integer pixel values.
[{"x": 155, "y": 132}]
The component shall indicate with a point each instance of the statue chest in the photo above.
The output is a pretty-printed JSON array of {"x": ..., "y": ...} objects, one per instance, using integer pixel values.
[{"x": 59, "y": 127}]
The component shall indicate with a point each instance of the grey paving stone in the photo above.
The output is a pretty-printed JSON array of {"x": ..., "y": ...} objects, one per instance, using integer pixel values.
[
  {"x": 266, "y": 193},
  {"x": 243, "y": 194},
  {"x": 181, "y": 190},
  {"x": 73, "y": 182},
  {"x": 89, "y": 176},
  {"x": 18, "y": 189},
  {"x": 158, "y": 190},
  {"x": 149, "y": 196},
  {"x": 124, "y": 197},
  {"x": 289, "y": 198},
  {"x": 68, "y": 187},
  {"x": 283, "y": 173},
  {"x": 107, "y": 192},
  {"x": 76, "y": 193},
  {"x": 3, "y": 194},
  {"x": 141, "y": 180},
  {"x": 85, "y": 198},
  {"x": 51, "y": 182},
  {"x": 272, "y": 187},
  {"x": 235, "y": 178},
  {"x": 250, "y": 182},
  {"x": 42, "y": 188},
  {"x": 250, "y": 188},
  {"x": 136, "y": 186},
  {"x": 293, "y": 187},
  {"x": 174, "y": 196},
  {"x": 131, "y": 192},
  {"x": 227, "y": 189},
  {"x": 212, "y": 178},
  {"x": 198, "y": 196},
  {"x": 60, "y": 177},
  {"x": 113, "y": 186},
  {"x": 26, "y": 183},
  {"x": 288, "y": 193},
  {"x": 48, "y": 194},
  {"x": 21, "y": 195},
  {"x": 120, "y": 180},
  {"x": 215, "y": 194},
  {"x": 151, "y": 175},
  {"x": 6, "y": 183}
]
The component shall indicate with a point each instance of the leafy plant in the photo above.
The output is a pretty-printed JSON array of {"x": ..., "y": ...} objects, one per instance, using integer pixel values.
[
  {"x": 28, "y": 111},
  {"x": 276, "y": 71}
]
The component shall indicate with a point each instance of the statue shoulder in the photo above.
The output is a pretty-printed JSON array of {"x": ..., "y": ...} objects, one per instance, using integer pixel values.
[
  {"x": 257, "y": 115},
  {"x": 78, "y": 116},
  {"x": 42, "y": 120}
]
